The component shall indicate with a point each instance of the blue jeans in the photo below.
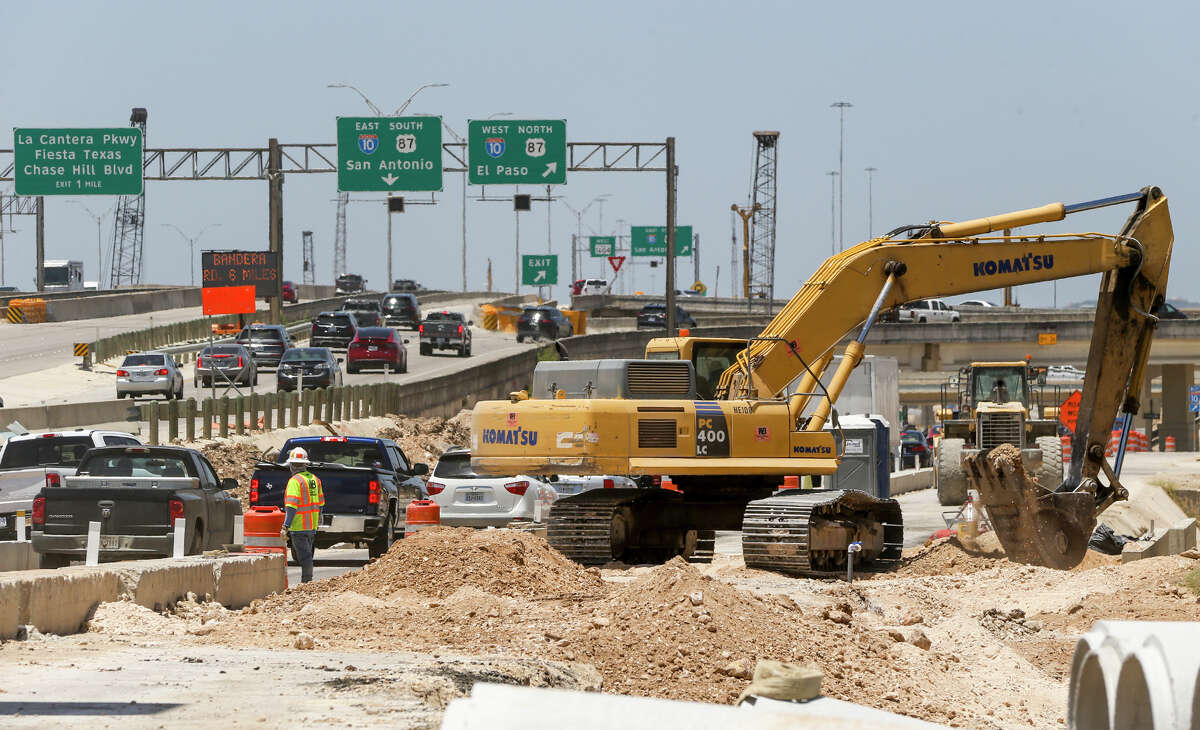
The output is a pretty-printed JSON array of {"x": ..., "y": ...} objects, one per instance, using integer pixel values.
[{"x": 302, "y": 552}]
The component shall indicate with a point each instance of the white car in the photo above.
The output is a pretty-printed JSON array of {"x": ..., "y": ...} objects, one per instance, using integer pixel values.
[
  {"x": 149, "y": 373},
  {"x": 469, "y": 500},
  {"x": 567, "y": 486},
  {"x": 594, "y": 286},
  {"x": 1065, "y": 372},
  {"x": 977, "y": 304}
]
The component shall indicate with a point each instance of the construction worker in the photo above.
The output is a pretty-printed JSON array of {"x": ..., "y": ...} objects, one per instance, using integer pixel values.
[{"x": 302, "y": 500}]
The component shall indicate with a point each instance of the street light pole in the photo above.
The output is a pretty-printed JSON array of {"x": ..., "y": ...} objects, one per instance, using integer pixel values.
[
  {"x": 870, "y": 203},
  {"x": 841, "y": 106},
  {"x": 191, "y": 243},
  {"x": 99, "y": 246},
  {"x": 833, "y": 176}
]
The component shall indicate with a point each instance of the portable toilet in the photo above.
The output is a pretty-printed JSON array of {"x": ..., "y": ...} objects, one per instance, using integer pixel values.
[{"x": 862, "y": 442}]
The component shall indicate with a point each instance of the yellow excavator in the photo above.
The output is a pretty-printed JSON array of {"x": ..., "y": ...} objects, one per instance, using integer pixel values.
[{"x": 719, "y": 419}]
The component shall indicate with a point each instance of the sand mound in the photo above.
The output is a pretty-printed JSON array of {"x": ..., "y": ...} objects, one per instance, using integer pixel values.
[
  {"x": 950, "y": 556},
  {"x": 425, "y": 439},
  {"x": 236, "y": 461},
  {"x": 437, "y": 562}
]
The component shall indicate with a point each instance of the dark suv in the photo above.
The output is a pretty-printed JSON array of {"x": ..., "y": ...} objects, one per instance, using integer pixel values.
[
  {"x": 349, "y": 284},
  {"x": 333, "y": 329},
  {"x": 654, "y": 316},
  {"x": 266, "y": 343},
  {"x": 368, "y": 312},
  {"x": 547, "y": 322},
  {"x": 405, "y": 285},
  {"x": 401, "y": 309}
]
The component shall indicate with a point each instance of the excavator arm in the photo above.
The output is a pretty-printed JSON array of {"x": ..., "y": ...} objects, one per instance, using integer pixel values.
[{"x": 1044, "y": 524}]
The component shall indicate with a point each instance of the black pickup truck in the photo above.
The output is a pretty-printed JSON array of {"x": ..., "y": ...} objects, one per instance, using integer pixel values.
[
  {"x": 367, "y": 482},
  {"x": 333, "y": 329},
  {"x": 135, "y": 493},
  {"x": 445, "y": 331},
  {"x": 368, "y": 312}
]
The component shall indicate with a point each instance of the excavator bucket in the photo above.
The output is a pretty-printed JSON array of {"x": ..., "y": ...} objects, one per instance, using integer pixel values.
[{"x": 1036, "y": 525}]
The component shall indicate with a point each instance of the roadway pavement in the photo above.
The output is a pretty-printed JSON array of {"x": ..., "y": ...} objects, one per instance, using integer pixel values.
[{"x": 64, "y": 382}]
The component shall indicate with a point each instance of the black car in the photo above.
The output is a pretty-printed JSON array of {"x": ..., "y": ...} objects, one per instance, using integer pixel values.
[
  {"x": 266, "y": 343},
  {"x": 349, "y": 284},
  {"x": 548, "y": 322},
  {"x": 227, "y": 365},
  {"x": 1167, "y": 310},
  {"x": 308, "y": 367},
  {"x": 368, "y": 312},
  {"x": 913, "y": 449},
  {"x": 405, "y": 285},
  {"x": 333, "y": 329},
  {"x": 654, "y": 316},
  {"x": 401, "y": 309}
]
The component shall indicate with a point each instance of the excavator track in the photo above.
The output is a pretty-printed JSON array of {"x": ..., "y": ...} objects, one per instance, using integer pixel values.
[
  {"x": 791, "y": 533},
  {"x": 603, "y": 525}
]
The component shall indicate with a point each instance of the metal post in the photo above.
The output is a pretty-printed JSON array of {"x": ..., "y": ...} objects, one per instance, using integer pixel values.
[
  {"x": 672, "y": 173},
  {"x": 574, "y": 257},
  {"x": 41, "y": 243},
  {"x": 696, "y": 257},
  {"x": 275, "y": 222},
  {"x": 517, "y": 249},
  {"x": 464, "y": 231},
  {"x": 388, "y": 208},
  {"x": 100, "y": 259},
  {"x": 841, "y": 106},
  {"x": 833, "y": 174},
  {"x": 870, "y": 204}
]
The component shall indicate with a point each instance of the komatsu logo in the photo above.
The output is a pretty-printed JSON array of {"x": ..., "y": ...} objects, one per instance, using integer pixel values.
[
  {"x": 513, "y": 436},
  {"x": 1028, "y": 262},
  {"x": 811, "y": 450}
]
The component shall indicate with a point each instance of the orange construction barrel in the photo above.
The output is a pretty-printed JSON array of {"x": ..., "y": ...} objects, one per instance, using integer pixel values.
[
  {"x": 261, "y": 528},
  {"x": 791, "y": 482},
  {"x": 421, "y": 513}
]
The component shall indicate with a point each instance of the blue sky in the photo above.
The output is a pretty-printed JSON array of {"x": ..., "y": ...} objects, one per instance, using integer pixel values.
[{"x": 965, "y": 109}]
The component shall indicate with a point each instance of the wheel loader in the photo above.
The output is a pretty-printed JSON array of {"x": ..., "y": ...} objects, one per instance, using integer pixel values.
[
  {"x": 728, "y": 448},
  {"x": 995, "y": 401}
]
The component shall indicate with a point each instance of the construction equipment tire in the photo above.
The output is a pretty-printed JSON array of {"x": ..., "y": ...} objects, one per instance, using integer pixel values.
[
  {"x": 948, "y": 475},
  {"x": 1051, "y": 474}
]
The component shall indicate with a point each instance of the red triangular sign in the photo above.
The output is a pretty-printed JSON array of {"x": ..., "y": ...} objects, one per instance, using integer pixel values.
[{"x": 615, "y": 262}]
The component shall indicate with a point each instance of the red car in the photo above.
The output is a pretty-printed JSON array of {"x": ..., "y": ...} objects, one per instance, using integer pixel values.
[
  {"x": 289, "y": 292},
  {"x": 377, "y": 347}
]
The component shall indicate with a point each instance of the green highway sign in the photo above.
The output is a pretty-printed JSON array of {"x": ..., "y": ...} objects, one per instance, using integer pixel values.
[
  {"x": 381, "y": 154},
  {"x": 517, "y": 152},
  {"x": 104, "y": 161},
  {"x": 652, "y": 240},
  {"x": 539, "y": 270},
  {"x": 603, "y": 246}
]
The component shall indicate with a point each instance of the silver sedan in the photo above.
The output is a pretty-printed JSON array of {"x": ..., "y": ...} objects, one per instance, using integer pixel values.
[{"x": 149, "y": 373}]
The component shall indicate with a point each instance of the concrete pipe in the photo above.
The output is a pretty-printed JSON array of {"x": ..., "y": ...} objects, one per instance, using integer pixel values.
[{"x": 1136, "y": 674}]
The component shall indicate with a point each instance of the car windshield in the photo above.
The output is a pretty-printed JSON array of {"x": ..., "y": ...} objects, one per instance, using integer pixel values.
[
  {"x": 397, "y": 302},
  {"x": 305, "y": 354},
  {"x": 56, "y": 275},
  {"x": 1000, "y": 385},
  {"x": 910, "y": 437},
  {"x": 654, "y": 308},
  {"x": 374, "y": 333},
  {"x": 361, "y": 306},
  {"x": 221, "y": 350},
  {"x": 334, "y": 319},
  {"x": 444, "y": 317},
  {"x": 349, "y": 279},
  {"x": 135, "y": 465},
  {"x": 41, "y": 451},
  {"x": 259, "y": 333},
  {"x": 345, "y": 453},
  {"x": 135, "y": 360},
  {"x": 454, "y": 466}
]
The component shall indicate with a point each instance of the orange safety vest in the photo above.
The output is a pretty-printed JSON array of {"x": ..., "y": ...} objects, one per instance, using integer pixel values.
[{"x": 305, "y": 495}]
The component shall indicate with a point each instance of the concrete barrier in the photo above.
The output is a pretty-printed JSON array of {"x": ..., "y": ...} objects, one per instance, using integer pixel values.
[
  {"x": 17, "y": 556},
  {"x": 1165, "y": 541},
  {"x": 62, "y": 601},
  {"x": 910, "y": 480},
  {"x": 120, "y": 303}
]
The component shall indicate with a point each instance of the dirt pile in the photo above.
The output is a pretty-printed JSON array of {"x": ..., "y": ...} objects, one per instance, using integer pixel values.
[
  {"x": 439, "y": 561},
  {"x": 425, "y": 439},
  {"x": 236, "y": 461},
  {"x": 950, "y": 556}
]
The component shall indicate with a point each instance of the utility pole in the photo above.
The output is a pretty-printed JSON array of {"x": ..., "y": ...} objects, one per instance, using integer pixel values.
[
  {"x": 833, "y": 175},
  {"x": 388, "y": 204},
  {"x": 517, "y": 247},
  {"x": 41, "y": 243},
  {"x": 870, "y": 203},
  {"x": 672, "y": 175},
  {"x": 99, "y": 244},
  {"x": 275, "y": 222},
  {"x": 841, "y": 106}
]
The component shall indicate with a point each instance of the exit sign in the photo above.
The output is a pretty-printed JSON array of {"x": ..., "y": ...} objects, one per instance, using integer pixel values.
[{"x": 99, "y": 161}]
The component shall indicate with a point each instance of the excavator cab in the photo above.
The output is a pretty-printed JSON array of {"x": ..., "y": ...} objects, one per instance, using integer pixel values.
[{"x": 710, "y": 357}]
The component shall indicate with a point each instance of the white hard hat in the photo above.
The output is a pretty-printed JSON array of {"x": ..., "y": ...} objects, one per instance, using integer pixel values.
[{"x": 298, "y": 456}]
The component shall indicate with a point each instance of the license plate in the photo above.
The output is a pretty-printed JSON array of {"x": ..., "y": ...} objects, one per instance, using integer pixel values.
[
  {"x": 474, "y": 497},
  {"x": 109, "y": 542},
  {"x": 372, "y": 348}
]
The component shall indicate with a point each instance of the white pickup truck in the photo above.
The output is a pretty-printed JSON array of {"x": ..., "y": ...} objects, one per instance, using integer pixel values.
[
  {"x": 922, "y": 311},
  {"x": 34, "y": 460}
]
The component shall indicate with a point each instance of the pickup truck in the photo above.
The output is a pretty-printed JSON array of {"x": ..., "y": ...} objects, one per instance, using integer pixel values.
[
  {"x": 445, "y": 331},
  {"x": 367, "y": 482},
  {"x": 136, "y": 493},
  {"x": 921, "y": 311},
  {"x": 368, "y": 312},
  {"x": 31, "y": 461}
]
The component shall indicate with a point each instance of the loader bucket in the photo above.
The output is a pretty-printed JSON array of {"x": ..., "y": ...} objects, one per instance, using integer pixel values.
[{"x": 1036, "y": 525}]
